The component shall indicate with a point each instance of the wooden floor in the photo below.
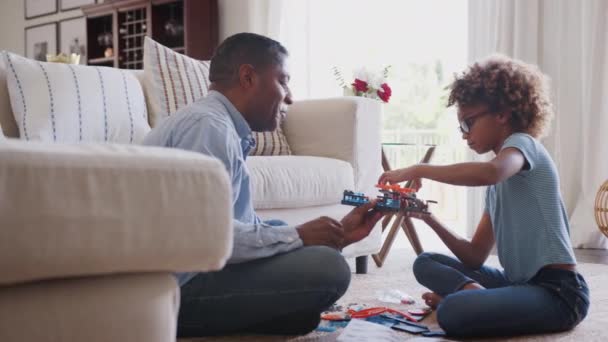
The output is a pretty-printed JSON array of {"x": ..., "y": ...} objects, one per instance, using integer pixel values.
[{"x": 592, "y": 256}]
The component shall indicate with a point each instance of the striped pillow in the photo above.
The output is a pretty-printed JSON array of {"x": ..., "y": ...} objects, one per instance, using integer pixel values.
[
  {"x": 173, "y": 80},
  {"x": 270, "y": 144},
  {"x": 74, "y": 103}
]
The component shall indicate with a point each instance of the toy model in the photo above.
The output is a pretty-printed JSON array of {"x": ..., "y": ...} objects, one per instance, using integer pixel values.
[
  {"x": 393, "y": 198},
  {"x": 398, "y": 202}
]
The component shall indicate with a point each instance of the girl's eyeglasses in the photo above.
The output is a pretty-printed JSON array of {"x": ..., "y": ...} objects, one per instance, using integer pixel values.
[{"x": 466, "y": 124}]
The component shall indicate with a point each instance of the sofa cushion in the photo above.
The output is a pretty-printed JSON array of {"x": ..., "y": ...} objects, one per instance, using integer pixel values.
[
  {"x": 122, "y": 307},
  {"x": 86, "y": 209},
  {"x": 73, "y": 103},
  {"x": 172, "y": 81},
  {"x": 298, "y": 181}
]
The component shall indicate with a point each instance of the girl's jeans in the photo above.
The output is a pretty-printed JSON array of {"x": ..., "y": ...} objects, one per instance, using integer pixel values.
[{"x": 553, "y": 300}]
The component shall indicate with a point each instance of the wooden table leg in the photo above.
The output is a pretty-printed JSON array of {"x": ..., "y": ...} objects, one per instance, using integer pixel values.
[
  {"x": 401, "y": 220},
  {"x": 386, "y": 220},
  {"x": 385, "y": 165},
  {"x": 388, "y": 242},
  {"x": 410, "y": 231}
]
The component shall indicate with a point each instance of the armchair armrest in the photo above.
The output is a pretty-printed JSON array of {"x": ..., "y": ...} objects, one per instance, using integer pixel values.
[
  {"x": 90, "y": 209},
  {"x": 345, "y": 128}
]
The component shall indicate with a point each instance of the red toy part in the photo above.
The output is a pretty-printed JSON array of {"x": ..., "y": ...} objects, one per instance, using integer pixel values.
[
  {"x": 378, "y": 310},
  {"x": 404, "y": 314},
  {"x": 395, "y": 188},
  {"x": 336, "y": 316},
  {"x": 366, "y": 312}
]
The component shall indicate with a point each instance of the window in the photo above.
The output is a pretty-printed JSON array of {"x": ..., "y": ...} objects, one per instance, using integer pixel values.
[{"x": 425, "y": 42}]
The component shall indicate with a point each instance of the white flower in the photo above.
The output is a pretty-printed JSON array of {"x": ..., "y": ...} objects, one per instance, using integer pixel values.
[{"x": 374, "y": 78}]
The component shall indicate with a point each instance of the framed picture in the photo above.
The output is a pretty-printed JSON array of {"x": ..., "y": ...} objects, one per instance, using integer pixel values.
[
  {"x": 67, "y": 5},
  {"x": 40, "y": 40},
  {"x": 73, "y": 37},
  {"x": 38, "y": 8}
]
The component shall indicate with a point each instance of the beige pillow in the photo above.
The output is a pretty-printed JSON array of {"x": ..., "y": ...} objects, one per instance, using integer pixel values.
[
  {"x": 173, "y": 80},
  {"x": 75, "y": 103},
  {"x": 270, "y": 144}
]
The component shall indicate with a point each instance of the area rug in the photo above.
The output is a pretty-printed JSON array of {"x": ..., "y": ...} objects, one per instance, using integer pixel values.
[{"x": 396, "y": 274}]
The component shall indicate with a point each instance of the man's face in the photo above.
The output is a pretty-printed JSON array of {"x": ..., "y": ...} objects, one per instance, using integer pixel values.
[{"x": 269, "y": 97}]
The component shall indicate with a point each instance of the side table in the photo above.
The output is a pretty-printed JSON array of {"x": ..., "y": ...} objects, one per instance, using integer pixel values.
[{"x": 401, "y": 220}]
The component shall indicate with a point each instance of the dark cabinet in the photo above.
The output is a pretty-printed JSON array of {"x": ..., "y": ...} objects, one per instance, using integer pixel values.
[{"x": 116, "y": 29}]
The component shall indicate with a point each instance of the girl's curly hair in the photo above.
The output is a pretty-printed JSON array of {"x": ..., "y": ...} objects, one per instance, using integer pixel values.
[{"x": 505, "y": 84}]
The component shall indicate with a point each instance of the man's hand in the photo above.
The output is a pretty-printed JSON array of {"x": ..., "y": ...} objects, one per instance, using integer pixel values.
[
  {"x": 322, "y": 231},
  {"x": 360, "y": 222}
]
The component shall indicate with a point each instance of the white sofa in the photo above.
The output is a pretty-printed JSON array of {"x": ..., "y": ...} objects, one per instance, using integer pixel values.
[
  {"x": 84, "y": 247},
  {"x": 335, "y": 144},
  {"x": 90, "y": 234}
]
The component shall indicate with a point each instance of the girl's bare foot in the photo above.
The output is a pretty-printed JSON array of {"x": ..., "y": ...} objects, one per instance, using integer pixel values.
[{"x": 432, "y": 299}]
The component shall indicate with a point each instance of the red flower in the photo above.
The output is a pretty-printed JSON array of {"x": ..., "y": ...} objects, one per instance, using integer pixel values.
[
  {"x": 385, "y": 92},
  {"x": 360, "y": 86}
]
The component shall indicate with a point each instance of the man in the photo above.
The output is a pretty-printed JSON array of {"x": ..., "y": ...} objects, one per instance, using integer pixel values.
[{"x": 279, "y": 277}]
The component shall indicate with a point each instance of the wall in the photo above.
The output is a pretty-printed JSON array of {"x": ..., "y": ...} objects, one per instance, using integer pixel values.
[
  {"x": 13, "y": 23},
  {"x": 234, "y": 16}
]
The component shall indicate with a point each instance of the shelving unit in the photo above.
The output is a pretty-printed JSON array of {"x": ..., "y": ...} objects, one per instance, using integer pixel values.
[{"x": 116, "y": 29}]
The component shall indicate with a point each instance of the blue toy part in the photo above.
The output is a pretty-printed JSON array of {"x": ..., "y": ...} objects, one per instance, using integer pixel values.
[
  {"x": 385, "y": 203},
  {"x": 354, "y": 198}
]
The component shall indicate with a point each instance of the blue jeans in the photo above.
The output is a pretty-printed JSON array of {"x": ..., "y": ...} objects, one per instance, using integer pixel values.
[
  {"x": 553, "y": 300},
  {"x": 283, "y": 294}
]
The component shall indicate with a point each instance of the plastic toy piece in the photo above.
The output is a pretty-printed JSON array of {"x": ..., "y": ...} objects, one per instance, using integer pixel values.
[
  {"x": 420, "y": 312},
  {"x": 379, "y": 310},
  {"x": 410, "y": 328},
  {"x": 393, "y": 198},
  {"x": 354, "y": 198},
  {"x": 336, "y": 316}
]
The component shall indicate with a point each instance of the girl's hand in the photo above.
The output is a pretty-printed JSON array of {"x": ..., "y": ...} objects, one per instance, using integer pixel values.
[
  {"x": 400, "y": 175},
  {"x": 425, "y": 217}
]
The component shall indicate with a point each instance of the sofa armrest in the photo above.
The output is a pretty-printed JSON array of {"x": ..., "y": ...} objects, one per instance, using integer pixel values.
[
  {"x": 345, "y": 128},
  {"x": 91, "y": 209}
]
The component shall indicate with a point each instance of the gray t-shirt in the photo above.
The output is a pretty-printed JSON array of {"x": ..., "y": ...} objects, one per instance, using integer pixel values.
[{"x": 528, "y": 216}]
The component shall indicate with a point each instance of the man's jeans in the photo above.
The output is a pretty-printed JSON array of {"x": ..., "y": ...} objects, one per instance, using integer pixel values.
[
  {"x": 553, "y": 300},
  {"x": 283, "y": 294}
]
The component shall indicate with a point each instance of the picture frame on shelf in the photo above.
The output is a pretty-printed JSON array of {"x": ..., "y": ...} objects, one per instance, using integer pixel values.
[
  {"x": 40, "y": 40},
  {"x": 39, "y": 8},
  {"x": 73, "y": 37},
  {"x": 68, "y": 5}
]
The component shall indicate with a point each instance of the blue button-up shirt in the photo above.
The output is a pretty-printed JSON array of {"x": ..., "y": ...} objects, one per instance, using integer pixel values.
[{"x": 213, "y": 126}]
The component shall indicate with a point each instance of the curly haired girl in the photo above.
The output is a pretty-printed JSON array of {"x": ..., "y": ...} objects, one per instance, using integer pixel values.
[{"x": 503, "y": 106}]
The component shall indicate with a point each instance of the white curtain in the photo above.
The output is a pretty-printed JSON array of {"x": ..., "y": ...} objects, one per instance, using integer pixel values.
[
  {"x": 569, "y": 42},
  {"x": 285, "y": 21},
  {"x": 258, "y": 16}
]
